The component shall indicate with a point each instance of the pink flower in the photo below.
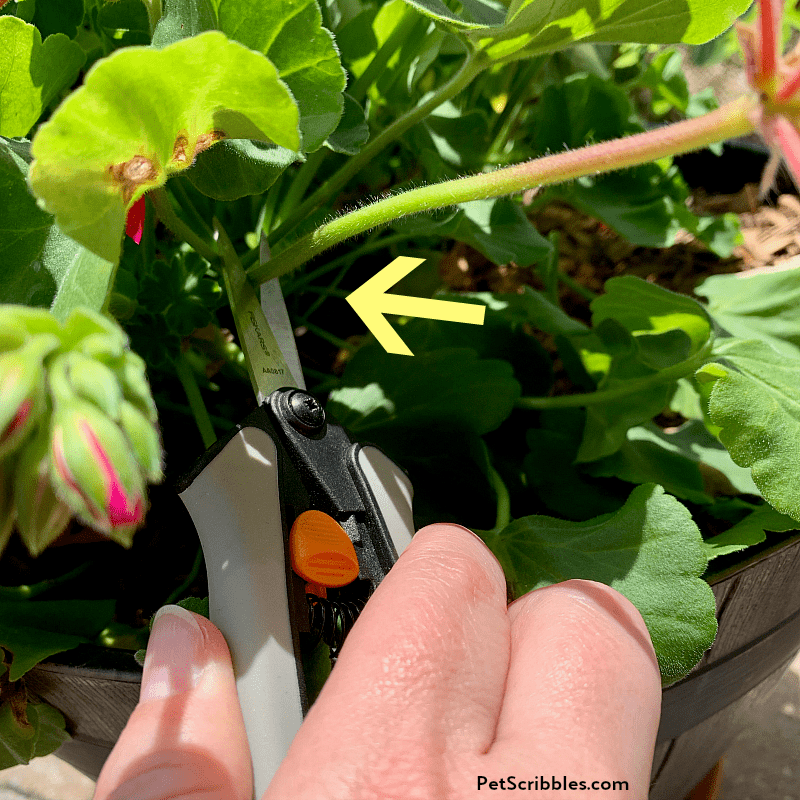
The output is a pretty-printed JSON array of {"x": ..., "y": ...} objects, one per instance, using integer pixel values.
[
  {"x": 777, "y": 80},
  {"x": 134, "y": 222},
  {"x": 94, "y": 470}
]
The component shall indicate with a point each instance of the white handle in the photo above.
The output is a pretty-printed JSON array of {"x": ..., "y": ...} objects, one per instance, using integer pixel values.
[{"x": 235, "y": 505}]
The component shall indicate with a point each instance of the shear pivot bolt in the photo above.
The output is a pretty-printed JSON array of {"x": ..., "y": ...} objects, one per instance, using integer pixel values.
[{"x": 307, "y": 414}]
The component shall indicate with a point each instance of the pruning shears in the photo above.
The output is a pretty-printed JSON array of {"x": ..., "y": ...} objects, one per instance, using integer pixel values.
[{"x": 298, "y": 524}]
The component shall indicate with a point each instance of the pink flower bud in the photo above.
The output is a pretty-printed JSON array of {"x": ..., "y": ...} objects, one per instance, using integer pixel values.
[
  {"x": 95, "y": 471},
  {"x": 41, "y": 515}
]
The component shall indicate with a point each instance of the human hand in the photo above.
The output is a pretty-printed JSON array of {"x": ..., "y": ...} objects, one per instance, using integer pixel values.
[{"x": 438, "y": 685}]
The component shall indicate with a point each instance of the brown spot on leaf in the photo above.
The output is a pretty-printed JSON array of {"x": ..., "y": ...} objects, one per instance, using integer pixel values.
[
  {"x": 205, "y": 140},
  {"x": 129, "y": 175},
  {"x": 179, "y": 149}
]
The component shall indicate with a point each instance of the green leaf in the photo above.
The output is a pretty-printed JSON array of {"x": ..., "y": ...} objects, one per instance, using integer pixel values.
[
  {"x": 500, "y": 229},
  {"x": 35, "y": 256},
  {"x": 497, "y": 228},
  {"x": 45, "y": 733},
  {"x": 533, "y": 27},
  {"x": 32, "y": 73},
  {"x": 182, "y": 19},
  {"x": 633, "y": 391},
  {"x": 451, "y": 385},
  {"x": 693, "y": 440},
  {"x": 648, "y": 456},
  {"x": 653, "y": 337},
  {"x": 757, "y": 305},
  {"x": 502, "y": 336},
  {"x": 436, "y": 9},
  {"x": 86, "y": 282},
  {"x": 291, "y": 35},
  {"x": 143, "y": 114},
  {"x": 125, "y": 22},
  {"x": 352, "y": 132},
  {"x": 645, "y": 308},
  {"x": 239, "y": 168},
  {"x": 58, "y": 16},
  {"x": 34, "y": 630},
  {"x": 561, "y": 486},
  {"x": 750, "y": 531},
  {"x": 460, "y": 137},
  {"x": 650, "y": 550},
  {"x": 755, "y": 401}
]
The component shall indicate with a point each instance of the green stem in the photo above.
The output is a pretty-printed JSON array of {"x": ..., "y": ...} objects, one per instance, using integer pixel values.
[
  {"x": 302, "y": 180},
  {"x": 328, "y": 337},
  {"x": 726, "y": 122},
  {"x": 196, "y": 404},
  {"x": 188, "y": 207},
  {"x": 517, "y": 96},
  {"x": 166, "y": 213},
  {"x": 190, "y": 578},
  {"x": 586, "y": 294},
  {"x": 668, "y": 375},
  {"x": 503, "y": 516},
  {"x": 473, "y": 64},
  {"x": 347, "y": 259}
]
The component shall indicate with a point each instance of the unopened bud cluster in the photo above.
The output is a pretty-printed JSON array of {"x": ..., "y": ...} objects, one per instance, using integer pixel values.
[{"x": 78, "y": 434}]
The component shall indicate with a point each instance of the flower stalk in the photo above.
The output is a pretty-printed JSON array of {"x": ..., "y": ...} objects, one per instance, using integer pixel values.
[{"x": 729, "y": 121}]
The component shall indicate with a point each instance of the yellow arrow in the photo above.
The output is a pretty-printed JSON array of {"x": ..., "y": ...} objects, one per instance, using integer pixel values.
[{"x": 371, "y": 302}]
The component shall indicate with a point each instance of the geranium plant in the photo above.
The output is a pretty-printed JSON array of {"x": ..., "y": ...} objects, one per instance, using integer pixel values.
[{"x": 577, "y": 444}]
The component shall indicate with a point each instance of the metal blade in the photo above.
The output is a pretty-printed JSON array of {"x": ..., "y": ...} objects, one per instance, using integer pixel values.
[
  {"x": 274, "y": 308},
  {"x": 265, "y": 362}
]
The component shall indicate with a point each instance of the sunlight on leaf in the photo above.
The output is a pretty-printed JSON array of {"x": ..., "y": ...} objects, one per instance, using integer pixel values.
[{"x": 144, "y": 114}]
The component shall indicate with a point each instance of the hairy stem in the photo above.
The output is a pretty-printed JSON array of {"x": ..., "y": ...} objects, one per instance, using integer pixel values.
[{"x": 726, "y": 122}]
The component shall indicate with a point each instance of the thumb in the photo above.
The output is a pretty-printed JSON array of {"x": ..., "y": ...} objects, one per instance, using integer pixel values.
[{"x": 186, "y": 736}]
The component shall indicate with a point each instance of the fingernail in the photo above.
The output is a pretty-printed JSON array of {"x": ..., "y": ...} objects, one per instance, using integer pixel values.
[{"x": 175, "y": 657}]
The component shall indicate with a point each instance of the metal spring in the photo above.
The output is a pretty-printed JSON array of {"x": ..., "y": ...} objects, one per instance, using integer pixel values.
[{"x": 331, "y": 620}]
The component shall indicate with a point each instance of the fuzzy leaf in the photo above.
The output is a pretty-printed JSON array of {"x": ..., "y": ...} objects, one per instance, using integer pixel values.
[
  {"x": 436, "y": 9},
  {"x": 35, "y": 256},
  {"x": 32, "y": 73},
  {"x": 754, "y": 399},
  {"x": 239, "y": 168},
  {"x": 753, "y": 305},
  {"x": 291, "y": 35},
  {"x": 352, "y": 132},
  {"x": 533, "y": 27},
  {"x": 751, "y": 530},
  {"x": 650, "y": 550},
  {"x": 143, "y": 114},
  {"x": 182, "y": 19}
]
